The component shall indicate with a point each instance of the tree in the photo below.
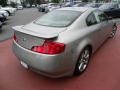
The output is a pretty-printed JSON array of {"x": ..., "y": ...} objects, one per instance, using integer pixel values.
[
  {"x": 85, "y": 0},
  {"x": 40, "y": 1},
  {"x": 3, "y": 2},
  {"x": 55, "y": 1},
  {"x": 31, "y": 2},
  {"x": 13, "y": 4}
]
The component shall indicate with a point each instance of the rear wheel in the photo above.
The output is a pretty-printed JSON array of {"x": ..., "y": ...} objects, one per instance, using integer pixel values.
[
  {"x": 83, "y": 61},
  {"x": 8, "y": 12},
  {"x": 113, "y": 32},
  {"x": 43, "y": 10}
]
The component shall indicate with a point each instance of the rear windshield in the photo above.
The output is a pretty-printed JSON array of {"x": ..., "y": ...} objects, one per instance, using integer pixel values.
[{"x": 58, "y": 18}]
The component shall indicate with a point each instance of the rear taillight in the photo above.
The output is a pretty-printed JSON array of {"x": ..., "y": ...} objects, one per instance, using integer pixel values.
[
  {"x": 49, "y": 47},
  {"x": 14, "y": 37}
]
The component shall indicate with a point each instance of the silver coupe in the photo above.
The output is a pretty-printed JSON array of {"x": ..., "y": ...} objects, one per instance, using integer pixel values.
[{"x": 61, "y": 42}]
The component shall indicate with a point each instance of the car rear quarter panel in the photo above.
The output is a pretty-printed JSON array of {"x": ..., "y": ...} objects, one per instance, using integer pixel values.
[
  {"x": 76, "y": 41},
  {"x": 78, "y": 36}
]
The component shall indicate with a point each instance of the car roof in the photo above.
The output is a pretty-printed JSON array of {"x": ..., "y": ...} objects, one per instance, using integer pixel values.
[{"x": 81, "y": 9}]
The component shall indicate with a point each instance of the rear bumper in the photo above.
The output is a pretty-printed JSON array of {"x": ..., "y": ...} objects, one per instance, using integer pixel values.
[{"x": 49, "y": 65}]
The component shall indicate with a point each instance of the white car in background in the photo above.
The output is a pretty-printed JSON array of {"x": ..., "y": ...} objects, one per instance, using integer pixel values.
[
  {"x": 10, "y": 10},
  {"x": 20, "y": 7},
  {"x": 41, "y": 8},
  {"x": 51, "y": 7},
  {"x": 5, "y": 13}
]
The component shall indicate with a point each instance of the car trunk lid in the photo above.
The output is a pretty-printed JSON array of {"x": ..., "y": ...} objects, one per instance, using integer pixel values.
[
  {"x": 32, "y": 35},
  {"x": 39, "y": 31}
]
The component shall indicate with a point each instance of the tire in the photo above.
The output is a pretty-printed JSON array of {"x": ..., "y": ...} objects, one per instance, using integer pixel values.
[
  {"x": 43, "y": 10},
  {"x": 8, "y": 12},
  {"x": 113, "y": 32},
  {"x": 83, "y": 61}
]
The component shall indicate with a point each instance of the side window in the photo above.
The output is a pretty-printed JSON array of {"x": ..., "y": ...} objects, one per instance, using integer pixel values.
[
  {"x": 100, "y": 16},
  {"x": 91, "y": 20}
]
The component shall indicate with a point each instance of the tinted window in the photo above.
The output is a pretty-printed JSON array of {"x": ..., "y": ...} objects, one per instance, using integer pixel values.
[
  {"x": 100, "y": 16},
  {"x": 58, "y": 18},
  {"x": 91, "y": 20}
]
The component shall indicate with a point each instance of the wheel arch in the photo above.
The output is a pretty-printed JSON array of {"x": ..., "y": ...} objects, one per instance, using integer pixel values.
[
  {"x": 8, "y": 12},
  {"x": 88, "y": 46},
  {"x": 82, "y": 45}
]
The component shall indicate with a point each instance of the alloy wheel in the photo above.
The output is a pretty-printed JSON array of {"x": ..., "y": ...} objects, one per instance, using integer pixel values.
[{"x": 83, "y": 61}]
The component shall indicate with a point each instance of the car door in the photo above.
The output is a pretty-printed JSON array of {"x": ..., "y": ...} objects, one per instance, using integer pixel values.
[
  {"x": 95, "y": 30},
  {"x": 106, "y": 25}
]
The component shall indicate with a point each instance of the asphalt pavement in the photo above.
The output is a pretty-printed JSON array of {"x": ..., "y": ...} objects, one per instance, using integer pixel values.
[{"x": 21, "y": 17}]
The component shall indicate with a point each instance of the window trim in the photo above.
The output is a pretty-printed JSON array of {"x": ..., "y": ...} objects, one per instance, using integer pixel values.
[
  {"x": 87, "y": 19},
  {"x": 102, "y": 13}
]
